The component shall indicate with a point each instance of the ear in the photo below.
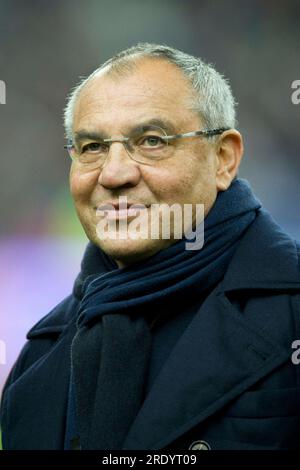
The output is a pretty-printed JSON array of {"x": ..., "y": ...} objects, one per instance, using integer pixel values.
[{"x": 229, "y": 153}]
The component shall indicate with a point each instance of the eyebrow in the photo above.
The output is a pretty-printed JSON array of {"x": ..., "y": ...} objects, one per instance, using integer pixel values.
[{"x": 164, "y": 124}]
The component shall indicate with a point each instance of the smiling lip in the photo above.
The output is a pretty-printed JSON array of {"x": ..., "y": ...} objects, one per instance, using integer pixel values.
[{"x": 114, "y": 211}]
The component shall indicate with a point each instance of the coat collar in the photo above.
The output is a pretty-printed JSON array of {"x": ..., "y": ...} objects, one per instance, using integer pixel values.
[{"x": 57, "y": 321}]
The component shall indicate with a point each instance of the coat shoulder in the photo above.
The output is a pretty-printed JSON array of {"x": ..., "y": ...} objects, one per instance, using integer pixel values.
[
  {"x": 267, "y": 257},
  {"x": 41, "y": 337}
]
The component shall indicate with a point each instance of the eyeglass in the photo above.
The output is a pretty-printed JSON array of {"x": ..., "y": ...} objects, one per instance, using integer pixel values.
[{"x": 145, "y": 146}]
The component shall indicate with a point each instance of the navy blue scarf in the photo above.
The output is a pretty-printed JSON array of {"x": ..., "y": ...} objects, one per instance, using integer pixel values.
[{"x": 110, "y": 351}]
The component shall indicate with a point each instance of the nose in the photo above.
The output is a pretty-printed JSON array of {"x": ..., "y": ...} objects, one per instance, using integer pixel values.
[{"x": 119, "y": 169}]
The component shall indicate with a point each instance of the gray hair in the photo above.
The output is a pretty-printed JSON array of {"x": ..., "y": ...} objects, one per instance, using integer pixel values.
[{"x": 214, "y": 100}]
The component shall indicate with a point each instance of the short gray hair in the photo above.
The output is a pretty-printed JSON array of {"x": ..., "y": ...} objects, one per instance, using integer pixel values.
[{"x": 215, "y": 103}]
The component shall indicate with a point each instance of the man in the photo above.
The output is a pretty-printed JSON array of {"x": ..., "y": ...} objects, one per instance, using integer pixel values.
[{"x": 160, "y": 345}]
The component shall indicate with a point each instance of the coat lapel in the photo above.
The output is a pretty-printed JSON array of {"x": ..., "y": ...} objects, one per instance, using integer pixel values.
[{"x": 218, "y": 357}]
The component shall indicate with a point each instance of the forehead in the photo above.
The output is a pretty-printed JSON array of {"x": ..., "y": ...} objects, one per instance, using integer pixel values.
[{"x": 151, "y": 89}]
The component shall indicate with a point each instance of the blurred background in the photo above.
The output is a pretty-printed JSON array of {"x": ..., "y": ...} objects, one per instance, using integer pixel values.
[{"x": 44, "y": 48}]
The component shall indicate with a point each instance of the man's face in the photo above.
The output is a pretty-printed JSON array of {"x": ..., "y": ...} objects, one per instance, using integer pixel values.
[{"x": 155, "y": 89}]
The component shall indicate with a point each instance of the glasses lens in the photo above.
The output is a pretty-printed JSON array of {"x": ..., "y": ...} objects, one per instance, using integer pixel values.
[
  {"x": 149, "y": 145},
  {"x": 90, "y": 155}
]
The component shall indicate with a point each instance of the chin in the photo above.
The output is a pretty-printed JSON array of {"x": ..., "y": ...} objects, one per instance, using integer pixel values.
[{"x": 126, "y": 252}]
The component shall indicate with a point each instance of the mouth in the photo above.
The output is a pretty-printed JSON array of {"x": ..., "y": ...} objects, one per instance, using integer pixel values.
[{"x": 119, "y": 211}]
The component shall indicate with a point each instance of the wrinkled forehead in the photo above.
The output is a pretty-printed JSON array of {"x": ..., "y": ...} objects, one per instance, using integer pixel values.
[{"x": 151, "y": 86}]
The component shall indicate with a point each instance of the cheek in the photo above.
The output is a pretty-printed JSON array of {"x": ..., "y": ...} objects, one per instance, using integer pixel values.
[
  {"x": 161, "y": 180},
  {"x": 81, "y": 185},
  {"x": 185, "y": 181},
  {"x": 169, "y": 184}
]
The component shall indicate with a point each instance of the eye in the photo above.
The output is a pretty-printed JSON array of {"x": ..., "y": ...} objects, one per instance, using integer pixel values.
[
  {"x": 94, "y": 147},
  {"x": 152, "y": 141}
]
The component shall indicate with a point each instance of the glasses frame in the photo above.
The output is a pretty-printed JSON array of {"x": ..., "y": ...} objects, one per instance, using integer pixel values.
[{"x": 124, "y": 140}]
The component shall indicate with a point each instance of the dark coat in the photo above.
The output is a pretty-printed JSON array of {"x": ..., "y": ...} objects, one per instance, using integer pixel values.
[{"x": 229, "y": 380}]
